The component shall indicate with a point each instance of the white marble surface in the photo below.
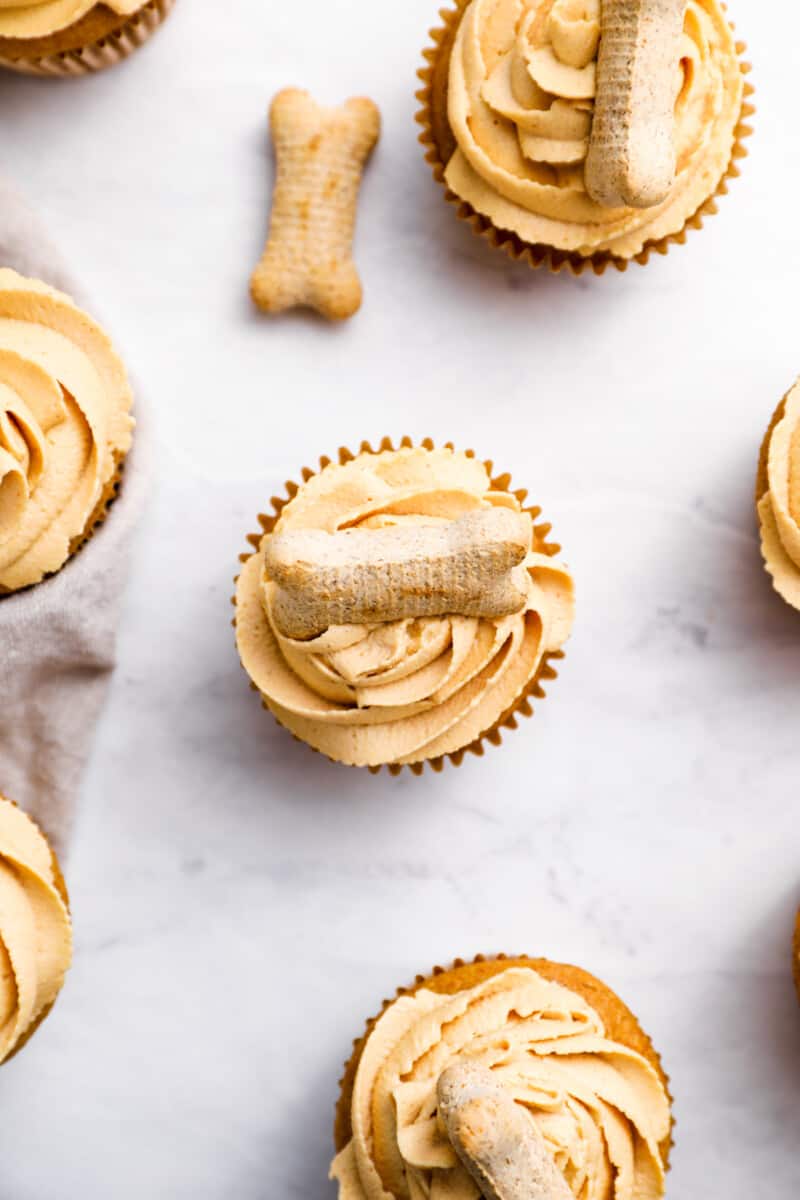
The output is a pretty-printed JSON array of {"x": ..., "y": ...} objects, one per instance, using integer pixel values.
[{"x": 240, "y": 904}]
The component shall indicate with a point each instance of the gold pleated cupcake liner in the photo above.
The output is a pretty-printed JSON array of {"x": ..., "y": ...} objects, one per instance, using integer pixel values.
[
  {"x": 534, "y": 690},
  {"x": 97, "y": 55},
  {"x": 621, "y": 1024},
  {"x": 61, "y": 888},
  {"x": 439, "y": 144}
]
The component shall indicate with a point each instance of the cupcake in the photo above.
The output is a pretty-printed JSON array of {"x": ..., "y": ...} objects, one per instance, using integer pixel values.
[
  {"x": 74, "y": 37},
  {"x": 65, "y": 428},
  {"x": 589, "y": 1088},
  {"x": 401, "y": 606},
  {"x": 531, "y": 112},
  {"x": 35, "y": 929},
  {"x": 778, "y": 498}
]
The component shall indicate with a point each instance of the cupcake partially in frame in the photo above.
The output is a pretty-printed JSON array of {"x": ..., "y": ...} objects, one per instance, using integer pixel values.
[
  {"x": 35, "y": 929},
  {"x": 778, "y": 498},
  {"x": 71, "y": 38},
  {"x": 527, "y": 1075},
  {"x": 583, "y": 134},
  {"x": 65, "y": 429},
  {"x": 401, "y": 606}
]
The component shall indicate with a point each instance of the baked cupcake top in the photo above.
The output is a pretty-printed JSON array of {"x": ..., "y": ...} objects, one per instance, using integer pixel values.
[
  {"x": 35, "y": 930},
  {"x": 779, "y": 503},
  {"x": 601, "y": 1107},
  {"x": 521, "y": 98},
  {"x": 65, "y": 426},
  {"x": 398, "y": 685},
  {"x": 39, "y": 18}
]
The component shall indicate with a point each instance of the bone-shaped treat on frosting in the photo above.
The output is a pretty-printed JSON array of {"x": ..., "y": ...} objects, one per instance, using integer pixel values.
[
  {"x": 495, "y": 1138},
  {"x": 467, "y": 567},
  {"x": 320, "y": 155},
  {"x": 631, "y": 159}
]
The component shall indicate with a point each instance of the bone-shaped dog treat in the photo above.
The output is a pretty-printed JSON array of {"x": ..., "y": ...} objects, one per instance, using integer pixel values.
[
  {"x": 468, "y": 567},
  {"x": 495, "y": 1138},
  {"x": 320, "y": 155},
  {"x": 631, "y": 158}
]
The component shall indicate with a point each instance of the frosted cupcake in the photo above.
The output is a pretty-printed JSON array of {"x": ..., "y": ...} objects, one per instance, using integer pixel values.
[
  {"x": 74, "y": 37},
  {"x": 35, "y": 929},
  {"x": 557, "y": 1082},
  {"x": 536, "y": 122},
  {"x": 778, "y": 498},
  {"x": 401, "y": 607},
  {"x": 65, "y": 428}
]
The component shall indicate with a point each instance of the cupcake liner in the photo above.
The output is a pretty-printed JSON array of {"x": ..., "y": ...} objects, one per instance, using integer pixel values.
[
  {"x": 439, "y": 144},
  {"x": 61, "y": 888},
  {"x": 621, "y": 1024},
  {"x": 533, "y": 690},
  {"x": 102, "y": 52}
]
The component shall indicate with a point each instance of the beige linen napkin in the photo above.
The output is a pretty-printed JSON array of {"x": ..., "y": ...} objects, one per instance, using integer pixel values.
[{"x": 57, "y": 640}]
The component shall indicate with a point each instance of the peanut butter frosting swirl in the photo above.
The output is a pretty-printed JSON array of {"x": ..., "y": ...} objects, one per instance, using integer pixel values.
[
  {"x": 65, "y": 426},
  {"x": 600, "y": 1107},
  {"x": 779, "y": 507},
  {"x": 35, "y": 930},
  {"x": 520, "y": 103},
  {"x": 410, "y": 689},
  {"x": 40, "y": 18}
]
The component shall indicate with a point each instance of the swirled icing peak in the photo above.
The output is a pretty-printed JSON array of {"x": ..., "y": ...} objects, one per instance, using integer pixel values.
[
  {"x": 779, "y": 507},
  {"x": 600, "y": 1107},
  {"x": 65, "y": 426},
  {"x": 35, "y": 931},
  {"x": 39, "y": 18},
  {"x": 522, "y": 86},
  {"x": 403, "y": 690}
]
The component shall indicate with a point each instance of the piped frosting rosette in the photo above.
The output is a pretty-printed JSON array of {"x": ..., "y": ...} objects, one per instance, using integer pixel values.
[
  {"x": 600, "y": 1106},
  {"x": 37, "y": 18},
  {"x": 779, "y": 500},
  {"x": 408, "y": 690},
  {"x": 520, "y": 92},
  {"x": 65, "y": 428},
  {"x": 35, "y": 930}
]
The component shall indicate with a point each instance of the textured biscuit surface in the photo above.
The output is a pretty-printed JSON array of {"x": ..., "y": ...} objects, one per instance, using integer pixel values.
[
  {"x": 631, "y": 160},
  {"x": 320, "y": 155}
]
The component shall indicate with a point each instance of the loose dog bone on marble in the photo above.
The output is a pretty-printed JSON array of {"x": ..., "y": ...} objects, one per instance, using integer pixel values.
[
  {"x": 631, "y": 158},
  {"x": 495, "y": 1138},
  {"x": 464, "y": 567},
  {"x": 320, "y": 155}
]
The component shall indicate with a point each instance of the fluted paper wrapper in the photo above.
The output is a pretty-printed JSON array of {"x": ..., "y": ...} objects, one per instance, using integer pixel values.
[
  {"x": 58, "y": 638},
  {"x": 534, "y": 690},
  {"x": 439, "y": 143},
  {"x": 621, "y": 1024},
  {"x": 105, "y": 52}
]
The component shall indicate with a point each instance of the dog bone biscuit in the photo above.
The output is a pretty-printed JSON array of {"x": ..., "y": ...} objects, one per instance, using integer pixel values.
[
  {"x": 631, "y": 160},
  {"x": 468, "y": 567},
  {"x": 495, "y": 1138},
  {"x": 320, "y": 155}
]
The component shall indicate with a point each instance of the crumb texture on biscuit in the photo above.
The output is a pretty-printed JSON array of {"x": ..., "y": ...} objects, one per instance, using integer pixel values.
[
  {"x": 522, "y": 97},
  {"x": 35, "y": 929},
  {"x": 413, "y": 688},
  {"x": 779, "y": 503},
  {"x": 320, "y": 155},
  {"x": 65, "y": 427},
  {"x": 600, "y": 1107}
]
